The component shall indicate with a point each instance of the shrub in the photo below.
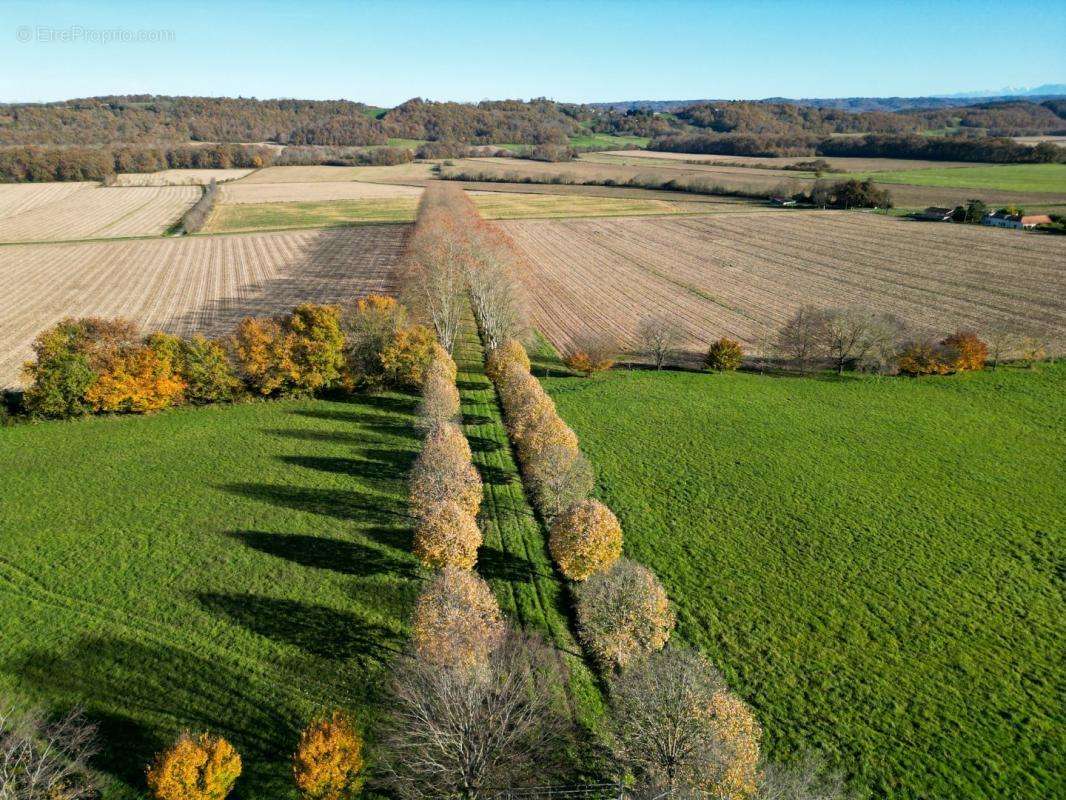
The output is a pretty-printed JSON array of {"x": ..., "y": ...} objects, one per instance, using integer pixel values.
[
  {"x": 447, "y": 536},
  {"x": 592, "y": 354},
  {"x": 585, "y": 539},
  {"x": 316, "y": 346},
  {"x": 200, "y": 768},
  {"x": 137, "y": 380},
  {"x": 965, "y": 351},
  {"x": 500, "y": 358},
  {"x": 623, "y": 614},
  {"x": 457, "y": 622},
  {"x": 559, "y": 477},
  {"x": 369, "y": 329},
  {"x": 328, "y": 763},
  {"x": 444, "y": 472},
  {"x": 262, "y": 351},
  {"x": 921, "y": 358},
  {"x": 68, "y": 358},
  {"x": 724, "y": 354},
  {"x": 207, "y": 371},
  {"x": 406, "y": 357},
  {"x": 440, "y": 398}
]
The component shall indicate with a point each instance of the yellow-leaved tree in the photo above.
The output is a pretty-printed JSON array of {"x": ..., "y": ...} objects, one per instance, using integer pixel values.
[
  {"x": 585, "y": 539},
  {"x": 328, "y": 763},
  {"x": 203, "y": 767}
]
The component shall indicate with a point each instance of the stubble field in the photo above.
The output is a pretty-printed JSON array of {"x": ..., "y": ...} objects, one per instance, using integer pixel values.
[
  {"x": 91, "y": 211},
  {"x": 743, "y": 275},
  {"x": 185, "y": 285},
  {"x": 180, "y": 177}
]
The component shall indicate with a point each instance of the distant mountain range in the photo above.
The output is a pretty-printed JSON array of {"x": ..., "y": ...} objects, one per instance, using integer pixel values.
[{"x": 1046, "y": 91}]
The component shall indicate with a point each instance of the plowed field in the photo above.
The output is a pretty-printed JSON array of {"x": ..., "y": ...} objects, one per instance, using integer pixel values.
[{"x": 743, "y": 275}]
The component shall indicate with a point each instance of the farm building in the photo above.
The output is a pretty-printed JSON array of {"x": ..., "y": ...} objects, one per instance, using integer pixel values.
[
  {"x": 778, "y": 200},
  {"x": 936, "y": 214},
  {"x": 1004, "y": 219}
]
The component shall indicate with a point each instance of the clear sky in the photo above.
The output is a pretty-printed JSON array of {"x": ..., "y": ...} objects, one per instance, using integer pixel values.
[{"x": 386, "y": 52}]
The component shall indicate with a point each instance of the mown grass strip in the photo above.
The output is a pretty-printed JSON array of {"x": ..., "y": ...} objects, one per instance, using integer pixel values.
[{"x": 514, "y": 559}]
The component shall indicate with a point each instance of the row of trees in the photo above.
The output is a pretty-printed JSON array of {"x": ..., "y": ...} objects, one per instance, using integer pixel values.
[{"x": 94, "y": 365}]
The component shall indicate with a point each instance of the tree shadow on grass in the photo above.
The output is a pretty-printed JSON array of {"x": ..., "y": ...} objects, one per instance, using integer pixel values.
[
  {"x": 474, "y": 420},
  {"x": 344, "y": 504},
  {"x": 496, "y": 476},
  {"x": 385, "y": 470},
  {"x": 495, "y": 564},
  {"x": 320, "y": 552},
  {"x": 143, "y": 694},
  {"x": 323, "y": 632},
  {"x": 473, "y": 386},
  {"x": 483, "y": 444}
]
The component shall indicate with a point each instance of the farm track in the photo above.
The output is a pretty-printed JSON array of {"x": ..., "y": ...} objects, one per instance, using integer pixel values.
[
  {"x": 743, "y": 275},
  {"x": 187, "y": 285}
]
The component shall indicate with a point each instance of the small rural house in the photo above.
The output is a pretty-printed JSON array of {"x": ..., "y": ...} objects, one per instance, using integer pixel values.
[
  {"x": 1004, "y": 219},
  {"x": 778, "y": 200},
  {"x": 936, "y": 214}
]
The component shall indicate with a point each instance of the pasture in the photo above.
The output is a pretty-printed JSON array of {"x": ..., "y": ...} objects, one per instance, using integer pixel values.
[
  {"x": 237, "y": 569},
  {"x": 189, "y": 284},
  {"x": 1004, "y": 177},
  {"x": 875, "y": 564},
  {"x": 92, "y": 211},
  {"x": 743, "y": 275}
]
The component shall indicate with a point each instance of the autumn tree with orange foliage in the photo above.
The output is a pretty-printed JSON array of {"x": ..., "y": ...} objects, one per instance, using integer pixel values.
[
  {"x": 444, "y": 472},
  {"x": 457, "y": 621},
  {"x": 546, "y": 430},
  {"x": 204, "y": 767},
  {"x": 964, "y": 351},
  {"x": 407, "y": 356},
  {"x": 623, "y": 614},
  {"x": 585, "y": 539},
  {"x": 136, "y": 380},
  {"x": 921, "y": 357},
  {"x": 500, "y": 358},
  {"x": 447, "y": 536},
  {"x": 328, "y": 763},
  {"x": 591, "y": 354},
  {"x": 262, "y": 351}
]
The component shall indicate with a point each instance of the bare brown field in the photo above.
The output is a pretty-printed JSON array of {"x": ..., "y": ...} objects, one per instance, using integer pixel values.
[
  {"x": 743, "y": 275},
  {"x": 180, "y": 177},
  {"x": 288, "y": 192},
  {"x": 400, "y": 173},
  {"x": 713, "y": 203},
  {"x": 848, "y": 164},
  {"x": 186, "y": 285},
  {"x": 1059, "y": 140},
  {"x": 97, "y": 212},
  {"x": 18, "y": 198},
  {"x": 738, "y": 179}
]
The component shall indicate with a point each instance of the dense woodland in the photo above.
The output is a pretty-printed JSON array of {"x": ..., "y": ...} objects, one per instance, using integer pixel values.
[{"x": 89, "y": 139}]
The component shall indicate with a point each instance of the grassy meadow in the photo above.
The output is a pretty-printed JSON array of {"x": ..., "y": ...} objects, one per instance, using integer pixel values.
[
  {"x": 230, "y": 568},
  {"x": 874, "y": 563},
  {"x": 243, "y": 217},
  {"x": 1002, "y": 177}
]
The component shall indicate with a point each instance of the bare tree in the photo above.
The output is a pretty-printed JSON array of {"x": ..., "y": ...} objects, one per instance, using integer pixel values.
[
  {"x": 42, "y": 760},
  {"x": 659, "y": 337},
  {"x": 806, "y": 780},
  {"x": 462, "y": 733},
  {"x": 497, "y": 296},
  {"x": 666, "y": 729},
  {"x": 798, "y": 340},
  {"x": 560, "y": 476},
  {"x": 1003, "y": 339},
  {"x": 845, "y": 335}
]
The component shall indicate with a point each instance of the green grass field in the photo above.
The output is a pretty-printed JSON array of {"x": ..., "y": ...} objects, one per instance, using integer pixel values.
[
  {"x": 874, "y": 563},
  {"x": 239, "y": 217},
  {"x": 608, "y": 141},
  {"x": 1003, "y": 177},
  {"x": 231, "y": 568}
]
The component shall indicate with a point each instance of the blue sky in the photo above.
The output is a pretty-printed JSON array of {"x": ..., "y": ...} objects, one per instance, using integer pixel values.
[{"x": 386, "y": 52}]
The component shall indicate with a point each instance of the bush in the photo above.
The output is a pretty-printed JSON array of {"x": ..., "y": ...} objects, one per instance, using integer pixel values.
[
  {"x": 207, "y": 371},
  {"x": 623, "y": 614},
  {"x": 369, "y": 329},
  {"x": 500, "y": 358},
  {"x": 137, "y": 380},
  {"x": 592, "y": 354},
  {"x": 724, "y": 354},
  {"x": 559, "y": 477},
  {"x": 921, "y": 358},
  {"x": 965, "y": 351},
  {"x": 457, "y": 622},
  {"x": 585, "y": 539},
  {"x": 406, "y": 357},
  {"x": 69, "y": 357},
  {"x": 262, "y": 350},
  {"x": 316, "y": 346},
  {"x": 444, "y": 472},
  {"x": 328, "y": 763},
  {"x": 200, "y": 768},
  {"x": 447, "y": 536}
]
